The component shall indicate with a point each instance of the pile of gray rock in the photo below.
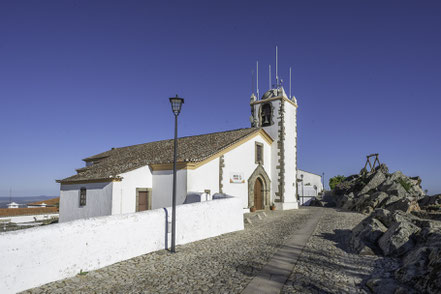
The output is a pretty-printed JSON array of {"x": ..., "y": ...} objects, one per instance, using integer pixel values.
[
  {"x": 378, "y": 189},
  {"x": 415, "y": 241},
  {"x": 397, "y": 227}
]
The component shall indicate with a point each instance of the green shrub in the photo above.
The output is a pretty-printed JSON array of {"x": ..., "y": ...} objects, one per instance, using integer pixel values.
[
  {"x": 406, "y": 185},
  {"x": 82, "y": 273},
  {"x": 335, "y": 181}
]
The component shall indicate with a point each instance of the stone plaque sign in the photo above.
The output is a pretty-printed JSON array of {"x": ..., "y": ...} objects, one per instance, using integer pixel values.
[{"x": 237, "y": 178}]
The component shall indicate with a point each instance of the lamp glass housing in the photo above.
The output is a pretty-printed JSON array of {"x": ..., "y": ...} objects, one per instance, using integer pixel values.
[{"x": 176, "y": 104}]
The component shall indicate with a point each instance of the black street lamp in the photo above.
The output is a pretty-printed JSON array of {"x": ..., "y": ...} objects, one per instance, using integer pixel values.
[
  {"x": 176, "y": 104},
  {"x": 303, "y": 191},
  {"x": 323, "y": 178}
]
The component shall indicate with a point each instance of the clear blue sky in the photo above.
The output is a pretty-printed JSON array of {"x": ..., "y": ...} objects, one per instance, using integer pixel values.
[{"x": 80, "y": 77}]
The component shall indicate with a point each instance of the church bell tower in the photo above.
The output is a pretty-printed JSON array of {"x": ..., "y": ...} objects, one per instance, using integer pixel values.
[{"x": 276, "y": 113}]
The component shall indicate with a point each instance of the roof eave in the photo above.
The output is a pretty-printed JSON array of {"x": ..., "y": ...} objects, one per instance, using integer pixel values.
[{"x": 88, "y": 181}]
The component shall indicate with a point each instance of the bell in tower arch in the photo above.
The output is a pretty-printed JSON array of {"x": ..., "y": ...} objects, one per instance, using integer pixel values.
[{"x": 266, "y": 114}]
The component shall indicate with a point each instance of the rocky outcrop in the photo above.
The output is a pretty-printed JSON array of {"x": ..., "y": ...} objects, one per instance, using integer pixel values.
[
  {"x": 397, "y": 240},
  {"x": 416, "y": 241},
  {"x": 402, "y": 223},
  {"x": 378, "y": 189},
  {"x": 430, "y": 202},
  {"x": 365, "y": 236}
]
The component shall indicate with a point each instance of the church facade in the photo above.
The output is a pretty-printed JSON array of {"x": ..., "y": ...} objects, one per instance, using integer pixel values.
[{"x": 257, "y": 164}]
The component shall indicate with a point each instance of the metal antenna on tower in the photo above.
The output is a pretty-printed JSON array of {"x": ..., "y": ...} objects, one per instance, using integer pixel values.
[
  {"x": 277, "y": 68},
  {"x": 290, "y": 83},
  {"x": 269, "y": 76},
  {"x": 257, "y": 79},
  {"x": 252, "y": 81}
]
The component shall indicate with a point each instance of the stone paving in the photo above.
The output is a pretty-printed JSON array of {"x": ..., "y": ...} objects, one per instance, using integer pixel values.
[
  {"x": 227, "y": 263},
  {"x": 326, "y": 264},
  {"x": 223, "y": 264}
]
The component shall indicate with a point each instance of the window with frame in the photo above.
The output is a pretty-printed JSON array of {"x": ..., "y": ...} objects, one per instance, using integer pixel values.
[
  {"x": 259, "y": 153},
  {"x": 83, "y": 196}
]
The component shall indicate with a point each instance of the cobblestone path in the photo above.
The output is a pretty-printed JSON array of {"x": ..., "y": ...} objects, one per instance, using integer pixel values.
[
  {"x": 223, "y": 264},
  {"x": 326, "y": 264},
  {"x": 227, "y": 263}
]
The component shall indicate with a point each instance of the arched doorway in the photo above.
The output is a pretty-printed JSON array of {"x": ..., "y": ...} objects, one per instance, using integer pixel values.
[
  {"x": 258, "y": 194},
  {"x": 259, "y": 189}
]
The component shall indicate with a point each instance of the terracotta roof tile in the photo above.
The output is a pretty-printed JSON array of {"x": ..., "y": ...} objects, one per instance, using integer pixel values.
[
  {"x": 53, "y": 201},
  {"x": 109, "y": 164},
  {"x": 26, "y": 211}
]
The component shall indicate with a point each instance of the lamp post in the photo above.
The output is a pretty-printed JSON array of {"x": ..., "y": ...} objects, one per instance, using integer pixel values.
[
  {"x": 303, "y": 191},
  {"x": 323, "y": 178},
  {"x": 176, "y": 104}
]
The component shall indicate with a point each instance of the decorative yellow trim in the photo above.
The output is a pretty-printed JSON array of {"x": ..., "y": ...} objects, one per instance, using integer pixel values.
[
  {"x": 168, "y": 166},
  {"x": 194, "y": 165},
  {"x": 266, "y": 137},
  {"x": 275, "y": 98}
]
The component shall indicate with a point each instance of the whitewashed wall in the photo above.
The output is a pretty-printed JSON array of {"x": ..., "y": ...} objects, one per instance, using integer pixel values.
[
  {"x": 290, "y": 200},
  {"x": 309, "y": 179},
  {"x": 98, "y": 201},
  {"x": 204, "y": 177},
  {"x": 290, "y": 155},
  {"x": 124, "y": 192},
  {"x": 29, "y": 218},
  {"x": 242, "y": 159},
  {"x": 273, "y": 132},
  {"x": 36, "y": 256},
  {"x": 163, "y": 187}
]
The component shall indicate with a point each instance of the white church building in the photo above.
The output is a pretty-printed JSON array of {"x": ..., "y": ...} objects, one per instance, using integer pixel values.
[{"x": 256, "y": 164}]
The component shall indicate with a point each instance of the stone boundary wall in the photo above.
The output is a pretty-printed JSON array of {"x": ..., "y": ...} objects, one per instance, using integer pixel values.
[{"x": 37, "y": 256}]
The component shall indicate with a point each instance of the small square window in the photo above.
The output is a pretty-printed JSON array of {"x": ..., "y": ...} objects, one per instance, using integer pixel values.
[{"x": 83, "y": 196}]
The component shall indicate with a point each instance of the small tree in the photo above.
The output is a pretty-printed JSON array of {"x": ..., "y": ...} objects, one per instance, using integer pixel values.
[{"x": 335, "y": 181}]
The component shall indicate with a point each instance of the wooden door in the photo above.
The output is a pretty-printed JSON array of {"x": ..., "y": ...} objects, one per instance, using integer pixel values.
[
  {"x": 143, "y": 200},
  {"x": 258, "y": 199}
]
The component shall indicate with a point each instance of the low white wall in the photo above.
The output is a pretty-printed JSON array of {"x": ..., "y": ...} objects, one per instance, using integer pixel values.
[
  {"x": 307, "y": 190},
  {"x": 36, "y": 256},
  {"x": 29, "y": 218}
]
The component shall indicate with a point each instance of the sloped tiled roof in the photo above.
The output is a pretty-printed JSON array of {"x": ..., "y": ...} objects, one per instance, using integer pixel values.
[
  {"x": 108, "y": 165},
  {"x": 26, "y": 211},
  {"x": 49, "y": 202}
]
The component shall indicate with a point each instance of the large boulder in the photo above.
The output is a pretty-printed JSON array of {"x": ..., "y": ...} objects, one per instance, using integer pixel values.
[
  {"x": 376, "y": 180},
  {"x": 430, "y": 200},
  {"x": 388, "y": 218},
  {"x": 340, "y": 200},
  {"x": 365, "y": 235},
  {"x": 395, "y": 189},
  {"x": 387, "y": 286},
  {"x": 390, "y": 199},
  {"x": 372, "y": 202},
  {"x": 359, "y": 202},
  {"x": 394, "y": 177},
  {"x": 397, "y": 240},
  {"x": 316, "y": 202},
  {"x": 406, "y": 205},
  {"x": 422, "y": 269},
  {"x": 416, "y": 188}
]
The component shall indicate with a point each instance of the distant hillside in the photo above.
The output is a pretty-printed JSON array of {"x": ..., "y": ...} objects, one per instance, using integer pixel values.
[{"x": 4, "y": 201}]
